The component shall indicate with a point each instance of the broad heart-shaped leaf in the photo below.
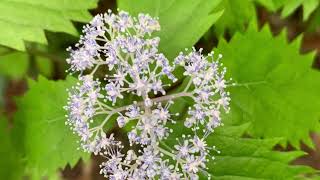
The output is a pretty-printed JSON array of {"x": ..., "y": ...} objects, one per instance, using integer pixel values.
[
  {"x": 40, "y": 131},
  {"x": 10, "y": 162},
  {"x": 277, "y": 89},
  {"x": 289, "y": 6},
  {"x": 245, "y": 158},
  {"x": 183, "y": 22},
  {"x": 25, "y": 20}
]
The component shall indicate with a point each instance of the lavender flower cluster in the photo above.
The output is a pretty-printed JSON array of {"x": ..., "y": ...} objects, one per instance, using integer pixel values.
[{"x": 124, "y": 45}]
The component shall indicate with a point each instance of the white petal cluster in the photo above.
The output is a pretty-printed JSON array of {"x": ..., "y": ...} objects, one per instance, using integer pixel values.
[{"x": 123, "y": 48}]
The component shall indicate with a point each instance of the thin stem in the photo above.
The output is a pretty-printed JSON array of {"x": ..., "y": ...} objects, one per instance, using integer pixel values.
[
  {"x": 105, "y": 105},
  {"x": 165, "y": 145},
  {"x": 155, "y": 100},
  {"x": 105, "y": 121},
  {"x": 167, "y": 153},
  {"x": 188, "y": 85},
  {"x": 173, "y": 156},
  {"x": 95, "y": 69},
  {"x": 173, "y": 96},
  {"x": 249, "y": 83}
]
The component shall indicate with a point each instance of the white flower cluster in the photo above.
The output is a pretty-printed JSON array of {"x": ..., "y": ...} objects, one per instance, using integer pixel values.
[{"x": 134, "y": 68}]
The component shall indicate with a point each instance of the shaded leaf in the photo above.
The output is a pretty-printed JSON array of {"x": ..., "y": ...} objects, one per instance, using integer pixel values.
[
  {"x": 289, "y": 6},
  {"x": 2, "y": 89},
  {"x": 14, "y": 64},
  {"x": 11, "y": 167},
  {"x": 237, "y": 14},
  {"x": 44, "y": 66}
]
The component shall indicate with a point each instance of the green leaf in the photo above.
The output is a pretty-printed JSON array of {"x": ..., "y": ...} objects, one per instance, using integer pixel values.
[
  {"x": 2, "y": 89},
  {"x": 308, "y": 7},
  {"x": 277, "y": 88},
  {"x": 246, "y": 158},
  {"x": 13, "y": 64},
  {"x": 47, "y": 143},
  {"x": 237, "y": 13},
  {"x": 314, "y": 21},
  {"x": 183, "y": 22},
  {"x": 289, "y": 6},
  {"x": 269, "y": 4},
  {"x": 10, "y": 162},
  {"x": 25, "y": 20},
  {"x": 44, "y": 66}
]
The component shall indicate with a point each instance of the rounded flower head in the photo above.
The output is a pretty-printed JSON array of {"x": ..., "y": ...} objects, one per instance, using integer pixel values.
[{"x": 133, "y": 92}]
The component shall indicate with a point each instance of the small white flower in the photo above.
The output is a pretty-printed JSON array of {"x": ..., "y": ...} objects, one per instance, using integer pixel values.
[
  {"x": 198, "y": 144},
  {"x": 122, "y": 121},
  {"x": 132, "y": 111},
  {"x": 183, "y": 150}
]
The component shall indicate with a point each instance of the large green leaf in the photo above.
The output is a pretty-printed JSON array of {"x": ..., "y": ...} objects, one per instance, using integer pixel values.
[
  {"x": 183, "y": 22},
  {"x": 10, "y": 162},
  {"x": 246, "y": 158},
  {"x": 25, "y": 20},
  {"x": 277, "y": 89},
  {"x": 40, "y": 131}
]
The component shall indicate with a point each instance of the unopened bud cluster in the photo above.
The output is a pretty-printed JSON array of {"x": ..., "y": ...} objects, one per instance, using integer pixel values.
[{"x": 123, "y": 48}]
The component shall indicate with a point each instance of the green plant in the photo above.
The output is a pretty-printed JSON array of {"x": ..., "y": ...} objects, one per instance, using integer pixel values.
[{"x": 274, "y": 91}]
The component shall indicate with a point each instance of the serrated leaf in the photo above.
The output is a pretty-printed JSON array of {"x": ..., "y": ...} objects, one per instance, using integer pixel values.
[
  {"x": 237, "y": 13},
  {"x": 47, "y": 143},
  {"x": 246, "y": 158},
  {"x": 314, "y": 21},
  {"x": 251, "y": 158},
  {"x": 25, "y": 20},
  {"x": 183, "y": 22},
  {"x": 308, "y": 7},
  {"x": 277, "y": 88},
  {"x": 289, "y": 6}
]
